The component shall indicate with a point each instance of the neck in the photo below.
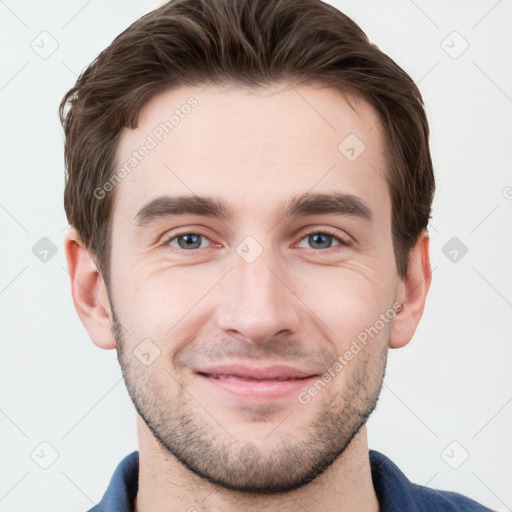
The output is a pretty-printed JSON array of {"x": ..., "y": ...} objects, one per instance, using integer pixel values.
[{"x": 165, "y": 484}]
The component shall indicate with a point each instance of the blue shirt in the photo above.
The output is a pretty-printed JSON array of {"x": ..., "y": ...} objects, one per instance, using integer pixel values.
[{"x": 394, "y": 491}]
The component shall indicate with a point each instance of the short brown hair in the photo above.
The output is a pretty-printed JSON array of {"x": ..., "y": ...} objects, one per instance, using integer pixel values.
[{"x": 251, "y": 43}]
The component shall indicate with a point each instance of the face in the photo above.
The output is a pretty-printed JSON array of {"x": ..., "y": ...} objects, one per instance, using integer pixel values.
[{"x": 279, "y": 255}]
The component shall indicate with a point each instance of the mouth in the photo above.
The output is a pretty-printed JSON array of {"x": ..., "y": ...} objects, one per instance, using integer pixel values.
[
  {"x": 257, "y": 383},
  {"x": 249, "y": 379}
]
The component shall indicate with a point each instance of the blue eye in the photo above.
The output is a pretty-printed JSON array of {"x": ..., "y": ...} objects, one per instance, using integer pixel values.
[
  {"x": 187, "y": 241},
  {"x": 321, "y": 240}
]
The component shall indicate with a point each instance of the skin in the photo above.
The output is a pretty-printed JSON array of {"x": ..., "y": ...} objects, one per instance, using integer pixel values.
[{"x": 297, "y": 303}]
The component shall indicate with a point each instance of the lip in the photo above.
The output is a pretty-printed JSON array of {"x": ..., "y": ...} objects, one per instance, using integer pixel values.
[
  {"x": 275, "y": 372},
  {"x": 241, "y": 381}
]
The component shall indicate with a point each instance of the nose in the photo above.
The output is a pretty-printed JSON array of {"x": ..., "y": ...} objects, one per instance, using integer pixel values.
[{"x": 257, "y": 301}]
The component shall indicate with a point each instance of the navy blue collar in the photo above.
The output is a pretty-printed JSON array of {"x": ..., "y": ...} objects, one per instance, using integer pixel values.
[{"x": 393, "y": 489}]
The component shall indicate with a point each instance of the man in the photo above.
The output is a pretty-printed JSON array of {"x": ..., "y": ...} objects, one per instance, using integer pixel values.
[{"x": 249, "y": 185}]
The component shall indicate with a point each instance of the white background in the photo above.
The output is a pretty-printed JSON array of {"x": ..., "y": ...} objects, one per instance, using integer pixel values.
[{"x": 451, "y": 383}]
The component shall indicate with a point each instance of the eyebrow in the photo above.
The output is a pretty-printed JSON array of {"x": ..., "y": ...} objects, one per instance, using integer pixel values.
[{"x": 298, "y": 206}]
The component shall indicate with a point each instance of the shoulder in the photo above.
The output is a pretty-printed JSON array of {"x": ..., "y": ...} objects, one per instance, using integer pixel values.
[
  {"x": 433, "y": 499},
  {"x": 123, "y": 487},
  {"x": 396, "y": 492}
]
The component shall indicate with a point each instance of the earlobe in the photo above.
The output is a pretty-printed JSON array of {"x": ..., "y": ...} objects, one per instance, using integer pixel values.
[
  {"x": 89, "y": 292},
  {"x": 412, "y": 293}
]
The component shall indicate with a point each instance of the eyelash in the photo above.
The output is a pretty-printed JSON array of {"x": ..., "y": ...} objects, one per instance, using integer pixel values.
[{"x": 324, "y": 231}]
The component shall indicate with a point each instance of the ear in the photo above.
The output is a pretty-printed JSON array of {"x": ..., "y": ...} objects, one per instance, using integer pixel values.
[
  {"x": 412, "y": 293},
  {"x": 89, "y": 292}
]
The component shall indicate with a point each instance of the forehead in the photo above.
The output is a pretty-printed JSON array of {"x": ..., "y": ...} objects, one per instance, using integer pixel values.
[{"x": 252, "y": 148}]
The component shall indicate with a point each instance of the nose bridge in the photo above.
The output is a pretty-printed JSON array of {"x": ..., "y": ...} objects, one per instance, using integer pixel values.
[{"x": 255, "y": 300}]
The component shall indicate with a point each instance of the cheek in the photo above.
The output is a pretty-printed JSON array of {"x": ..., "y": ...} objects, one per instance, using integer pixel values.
[
  {"x": 346, "y": 300},
  {"x": 158, "y": 304}
]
